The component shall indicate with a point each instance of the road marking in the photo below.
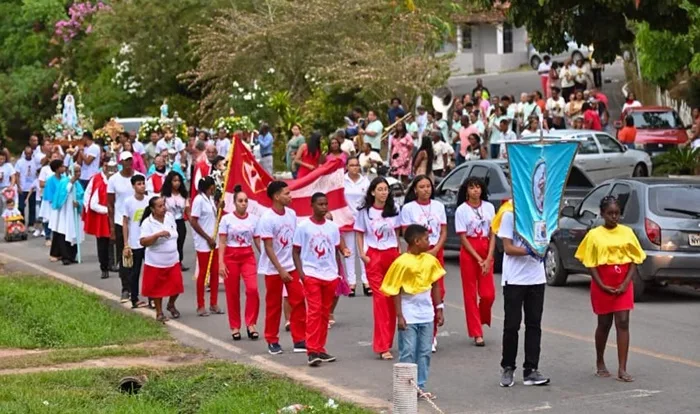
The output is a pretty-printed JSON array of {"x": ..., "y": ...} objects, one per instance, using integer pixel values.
[
  {"x": 591, "y": 340},
  {"x": 354, "y": 396}
]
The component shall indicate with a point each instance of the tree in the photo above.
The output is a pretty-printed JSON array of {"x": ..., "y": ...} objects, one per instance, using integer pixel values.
[
  {"x": 601, "y": 23},
  {"x": 375, "y": 48}
]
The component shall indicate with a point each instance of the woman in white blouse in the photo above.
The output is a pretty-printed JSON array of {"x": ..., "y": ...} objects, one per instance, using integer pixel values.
[
  {"x": 162, "y": 276},
  {"x": 356, "y": 186},
  {"x": 203, "y": 221},
  {"x": 177, "y": 203}
]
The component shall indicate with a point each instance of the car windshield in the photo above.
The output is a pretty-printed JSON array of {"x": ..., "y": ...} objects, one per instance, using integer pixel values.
[
  {"x": 675, "y": 201},
  {"x": 656, "y": 120}
]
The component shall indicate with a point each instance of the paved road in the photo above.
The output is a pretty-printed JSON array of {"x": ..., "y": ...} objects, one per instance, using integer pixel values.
[{"x": 665, "y": 360}]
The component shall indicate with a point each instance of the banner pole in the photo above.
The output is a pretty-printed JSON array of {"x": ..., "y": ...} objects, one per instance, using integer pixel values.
[{"x": 229, "y": 156}]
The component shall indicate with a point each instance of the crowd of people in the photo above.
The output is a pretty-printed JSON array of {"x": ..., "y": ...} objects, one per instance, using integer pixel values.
[{"x": 138, "y": 201}]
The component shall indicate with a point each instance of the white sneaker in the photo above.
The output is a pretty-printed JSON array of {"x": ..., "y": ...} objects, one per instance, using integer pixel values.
[
  {"x": 434, "y": 345},
  {"x": 37, "y": 233}
]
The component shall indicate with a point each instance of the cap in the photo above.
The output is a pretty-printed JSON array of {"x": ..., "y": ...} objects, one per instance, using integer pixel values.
[{"x": 125, "y": 155}]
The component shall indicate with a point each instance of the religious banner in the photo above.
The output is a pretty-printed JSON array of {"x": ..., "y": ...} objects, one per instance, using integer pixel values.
[
  {"x": 539, "y": 171},
  {"x": 253, "y": 179}
]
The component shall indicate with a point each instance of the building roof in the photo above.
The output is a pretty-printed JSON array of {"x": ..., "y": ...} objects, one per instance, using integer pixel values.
[{"x": 494, "y": 15}]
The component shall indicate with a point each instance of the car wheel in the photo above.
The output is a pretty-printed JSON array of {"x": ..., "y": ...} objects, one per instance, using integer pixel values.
[
  {"x": 554, "y": 270},
  {"x": 535, "y": 62},
  {"x": 639, "y": 287},
  {"x": 640, "y": 170},
  {"x": 576, "y": 56}
]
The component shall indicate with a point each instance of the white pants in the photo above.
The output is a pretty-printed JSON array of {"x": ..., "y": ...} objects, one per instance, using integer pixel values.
[
  {"x": 266, "y": 163},
  {"x": 350, "y": 269}
]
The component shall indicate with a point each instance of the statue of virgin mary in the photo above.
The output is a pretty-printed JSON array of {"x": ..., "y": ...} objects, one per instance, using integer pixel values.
[{"x": 69, "y": 116}]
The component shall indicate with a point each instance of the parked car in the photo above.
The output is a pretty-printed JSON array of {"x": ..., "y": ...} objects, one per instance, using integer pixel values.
[
  {"x": 602, "y": 157},
  {"x": 573, "y": 50},
  {"x": 497, "y": 177},
  {"x": 659, "y": 128},
  {"x": 131, "y": 124},
  {"x": 665, "y": 216}
]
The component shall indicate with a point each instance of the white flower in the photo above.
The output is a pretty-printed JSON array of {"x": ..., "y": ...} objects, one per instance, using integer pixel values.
[
  {"x": 271, "y": 71},
  {"x": 240, "y": 90},
  {"x": 247, "y": 97},
  {"x": 260, "y": 105},
  {"x": 235, "y": 84},
  {"x": 255, "y": 85}
]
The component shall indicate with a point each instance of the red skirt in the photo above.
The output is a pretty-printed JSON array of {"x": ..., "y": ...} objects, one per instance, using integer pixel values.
[
  {"x": 162, "y": 282},
  {"x": 613, "y": 276}
]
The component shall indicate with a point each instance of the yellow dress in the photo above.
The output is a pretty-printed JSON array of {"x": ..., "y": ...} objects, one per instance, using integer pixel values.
[
  {"x": 412, "y": 273},
  {"x": 603, "y": 246}
]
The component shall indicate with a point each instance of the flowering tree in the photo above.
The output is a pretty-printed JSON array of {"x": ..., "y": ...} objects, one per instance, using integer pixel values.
[{"x": 78, "y": 21}]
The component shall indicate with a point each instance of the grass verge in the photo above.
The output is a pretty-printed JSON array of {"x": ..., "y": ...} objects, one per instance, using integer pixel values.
[
  {"x": 216, "y": 387},
  {"x": 37, "y": 312}
]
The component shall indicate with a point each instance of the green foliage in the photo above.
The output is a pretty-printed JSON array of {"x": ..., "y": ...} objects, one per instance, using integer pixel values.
[
  {"x": 661, "y": 54},
  {"x": 678, "y": 161}
]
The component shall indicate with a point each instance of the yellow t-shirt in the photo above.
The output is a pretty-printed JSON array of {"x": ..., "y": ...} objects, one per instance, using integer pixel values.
[
  {"x": 496, "y": 222},
  {"x": 412, "y": 273},
  {"x": 603, "y": 246}
]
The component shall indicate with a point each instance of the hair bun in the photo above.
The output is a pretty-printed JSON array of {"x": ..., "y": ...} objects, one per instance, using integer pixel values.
[{"x": 237, "y": 188}]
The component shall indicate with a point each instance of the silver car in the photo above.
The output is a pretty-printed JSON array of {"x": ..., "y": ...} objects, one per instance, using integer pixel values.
[
  {"x": 665, "y": 216},
  {"x": 601, "y": 156}
]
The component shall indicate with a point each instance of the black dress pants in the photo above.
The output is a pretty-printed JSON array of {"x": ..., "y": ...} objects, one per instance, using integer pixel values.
[
  {"x": 124, "y": 273},
  {"x": 135, "y": 274},
  {"x": 516, "y": 299},
  {"x": 103, "y": 253},
  {"x": 181, "y": 235}
]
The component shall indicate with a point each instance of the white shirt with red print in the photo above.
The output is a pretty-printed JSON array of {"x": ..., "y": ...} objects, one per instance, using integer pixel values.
[
  {"x": 474, "y": 221},
  {"x": 239, "y": 231},
  {"x": 318, "y": 242},
  {"x": 430, "y": 215},
  {"x": 280, "y": 229},
  {"x": 379, "y": 232}
]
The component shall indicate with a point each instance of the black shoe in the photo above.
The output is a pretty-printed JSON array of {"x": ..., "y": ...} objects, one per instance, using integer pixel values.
[
  {"x": 326, "y": 357},
  {"x": 314, "y": 360},
  {"x": 105, "y": 275},
  {"x": 236, "y": 336},
  {"x": 352, "y": 292},
  {"x": 300, "y": 347},
  {"x": 126, "y": 296},
  {"x": 367, "y": 290},
  {"x": 183, "y": 268},
  {"x": 274, "y": 349},
  {"x": 253, "y": 336}
]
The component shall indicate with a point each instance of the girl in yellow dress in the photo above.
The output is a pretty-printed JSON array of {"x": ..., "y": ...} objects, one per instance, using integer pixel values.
[{"x": 611, "y": 253}]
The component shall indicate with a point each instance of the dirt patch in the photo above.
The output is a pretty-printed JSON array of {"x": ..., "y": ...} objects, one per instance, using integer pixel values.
[
  {"x": 149, "y": 346},
  {"x": 161, "y": 362}
]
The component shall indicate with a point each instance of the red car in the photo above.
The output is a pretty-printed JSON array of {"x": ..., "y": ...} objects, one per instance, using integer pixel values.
[{"x": 659, "y": 128}]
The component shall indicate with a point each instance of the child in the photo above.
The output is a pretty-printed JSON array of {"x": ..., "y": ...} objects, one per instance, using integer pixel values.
[
  {"x": 412, "y": 281},
  {"x": 14, "y": 224},
  {"x": 131, "y": 225}
]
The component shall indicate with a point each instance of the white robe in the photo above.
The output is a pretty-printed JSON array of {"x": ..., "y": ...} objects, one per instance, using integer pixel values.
[{"x": 63, "y": 221}]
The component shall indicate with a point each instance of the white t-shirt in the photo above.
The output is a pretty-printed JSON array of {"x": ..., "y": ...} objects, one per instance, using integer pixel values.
[
  {"x": 556, "y": 107},
  {"x": 366, "y": 158},
  {"x": 122, "y": 189},
  {"x": 162, "y": 253},
  {"x": 566, "y": 83},
  {"x": 348, "y": 147},
  {"x": 508, "y": 136},
  {"x": 418, "y": 308},
  {"x": 355, "y": 191},
  {"x": 474, "y": 221},
  {"x": 222, "y": 147},
  {"x": 133, "y": 211},
  {"x": 318, "y": 242},
  {"x": 635, "y": 104},
  {"x": 11, "y": 212},
  {"x": 239, "y": 231},
  {"x": 176, "y": 205},
  {"x": 518, "y": 270},
  {"x": 175, "y": 143},
  {"x": 27, "y": 173},
  {"x": 280, "y": 229},
  {"x": 440, "y": 148},
  {"x": 6, "y": 173},
  {"x": 204, "y": 209},
  {"x": 431, "y": 216},
  {"x": 44, "y": 175},
  {"x": 379, "y": 232},
  {"x": 88, "y": 170},
  {"x": 543, "y": 69},
  {"x": 138, "y": 147}
]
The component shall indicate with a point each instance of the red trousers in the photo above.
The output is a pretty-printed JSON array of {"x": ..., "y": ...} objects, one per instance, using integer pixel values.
[
  {"x": 474, "y": 284},
  {"x": 382, "y": 305},
  {"x": 273, "y": 307},
  {"x": 202, "y": 262},
  {"x": 441, "y": 284},
  {"x": 240, "y": 263},
  {"x": 319, "y": 300},
  {"x": 544, "y": 80}
]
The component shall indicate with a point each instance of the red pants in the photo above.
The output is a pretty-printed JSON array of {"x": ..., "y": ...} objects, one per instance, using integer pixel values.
[
  {"x": 441, "y": 284},
  {"x": 273, "y": 307},
  {"x": 202, "y": 262},
  {"x": 240, "y": 263},
  {"x": 475, "y": 283},
  {"x": 382, "y": 305},
  {"x": 319, "y": 300}
]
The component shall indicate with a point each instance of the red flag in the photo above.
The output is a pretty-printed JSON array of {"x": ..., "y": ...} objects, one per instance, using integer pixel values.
[{"x": 253, "y": 179}]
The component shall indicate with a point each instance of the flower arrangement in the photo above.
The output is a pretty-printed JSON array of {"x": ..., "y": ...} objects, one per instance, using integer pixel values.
[
  {"x": 232, "y": 124},
  {"x": 101, "y": 134},
  {"x": 159, "y": 125},
  {"x": 54, "y": 126},
  {"x": 109, "y": 132}
]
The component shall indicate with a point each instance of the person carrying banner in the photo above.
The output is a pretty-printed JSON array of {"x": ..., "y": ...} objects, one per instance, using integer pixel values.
[
  {"x": 203, "y": 222},
  {"x": 611, "y": 253},
  {"x": 276, "y": 229},
  {"x": 236, "y": 262},
  {"x": 95, "y": 217},
  {"x": 473, "y": 219},
  {"x": 419, "y": 208},
  {"x": 378, "y": 225},
  {"x": 317, "y": 245}
]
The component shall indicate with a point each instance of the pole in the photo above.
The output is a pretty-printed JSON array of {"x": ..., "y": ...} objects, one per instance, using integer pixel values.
[{"x": 229, "y": 156}]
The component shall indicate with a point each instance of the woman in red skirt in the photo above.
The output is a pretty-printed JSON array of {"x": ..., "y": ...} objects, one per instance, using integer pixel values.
[
  {"x": 377, "y": 225},
  {"x": 611, "y": 253},
  {"x": 473, "y": 220},
  {"x": 162, "y": 276},
  {"x": 237, "y": 261}
]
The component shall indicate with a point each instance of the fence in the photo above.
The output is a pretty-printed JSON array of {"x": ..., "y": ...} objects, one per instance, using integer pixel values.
[{"x": 663, "y": 98}]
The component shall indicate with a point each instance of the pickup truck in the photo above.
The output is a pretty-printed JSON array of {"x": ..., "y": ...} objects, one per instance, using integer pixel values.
[{"x": 497, "y": 176}]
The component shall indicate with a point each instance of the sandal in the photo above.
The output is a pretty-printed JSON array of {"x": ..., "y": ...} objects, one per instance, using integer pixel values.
[
  {"x": 625, "y": 378},
  {"x": 139, "y": 304},
  {"x": 202, "y": 312},
  {"x": 479, "y": 343},
  {"x": 386, "y": 356},
  {"x": 53, "y": 259},
  {"x": 215, "y": 310},
  {"x": 253, "y": 335},
  {"x": 161, "y": 318},
  {"x": 428, "y": 396},
  {"x": 352, "y": 291},
  {"x": 602, "y": 373},
  {"x": 287, "y": 326},
  {"x": 367, "y": 290},
  {"x": 236, "y": 336},
  {"x": 174, "y": 312}
]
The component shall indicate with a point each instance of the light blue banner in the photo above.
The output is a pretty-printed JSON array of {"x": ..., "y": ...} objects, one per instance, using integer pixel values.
[{"x": 538, "y": 172}]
